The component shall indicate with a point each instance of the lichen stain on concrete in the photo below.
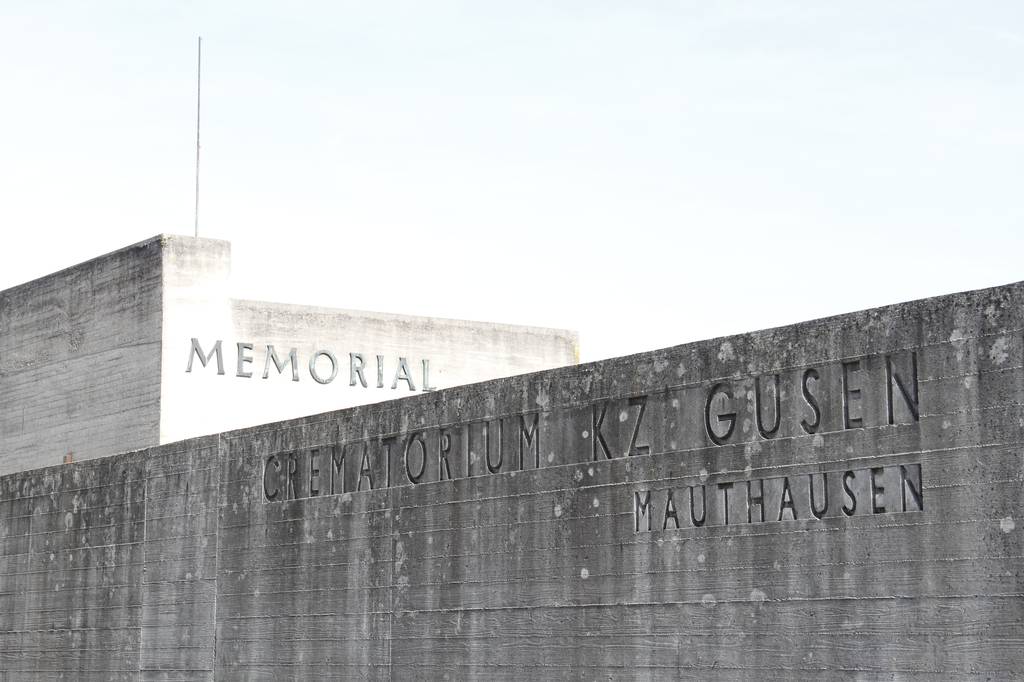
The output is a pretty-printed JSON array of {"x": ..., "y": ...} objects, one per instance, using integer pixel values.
[{"x": 998, "y": 353}]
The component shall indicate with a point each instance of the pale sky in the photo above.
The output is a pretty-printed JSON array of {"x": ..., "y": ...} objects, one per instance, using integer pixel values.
[{"x": 647, "y": 173}]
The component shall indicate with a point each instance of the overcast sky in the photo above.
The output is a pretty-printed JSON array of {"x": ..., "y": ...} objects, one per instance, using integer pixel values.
[{"x": 647, "y": 173}]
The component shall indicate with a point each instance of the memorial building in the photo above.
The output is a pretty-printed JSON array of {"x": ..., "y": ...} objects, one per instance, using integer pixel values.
[
  {"x": 837, "y": 499},
  {"x": 145, "y": 346}
]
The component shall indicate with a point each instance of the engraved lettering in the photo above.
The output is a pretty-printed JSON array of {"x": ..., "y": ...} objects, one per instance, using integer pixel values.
[
  {"x": 444, "y": 446},
  {"x": 386, "y": 443},
  {"x": 850, "y": 395},
  {"x": 356, "y": 363},
  {"x": 767, "y": 432},
  {"x": 402, "y": 374},
  {"x": 365, "y": 470},
  {"x": 641, "y": 509},
  {"x": 730, "y": 417},
  {"x": 755, "y": 499},
  {"x": 910, "y": 397},
  {"x": 197, "y": 351},
  {"x": 598, "y": 440},
  {"x": 915, "y": 491},
  {"x": 810, "y": 427},
  {"x": 380, "y": 371},
  {"x": 818, "y": 513},
  {"x": 851, "y": 508},
  {"x": 271, "y": 496},
  {"x": 760, "y": 492},
  {"x": 634, "y": 448},
  {"x": 529, "y": 438},
  {"x": 787, "y": 500},
  {"x": 491, "y": 466},
  {"x": 291, "y": 473},
  {"x": 312, "y": 366},
  {"x": 725, "y": 487},
  {"x": 469, "y": 449},
  {"x": 314, "y": 472},
  {"x": 416, "y": 438},
  {"x": 272, "y": 357},
  {"x": 670, "y": 512},
  {"x": 703, "y": 507},
  {"x": 877, "y": 492},
  {"x": 426, "y": 376},
  {"x": 243, "y": 360},
  {"x": 338, "y": 468}
]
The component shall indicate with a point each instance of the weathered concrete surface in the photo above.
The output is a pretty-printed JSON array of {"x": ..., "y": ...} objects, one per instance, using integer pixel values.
[
  {"x": 80, "y": 360},
  {"x": 888, "y": 475},
  {"x": 98, "y": 358},
  {"x": 108, "y": 568}
]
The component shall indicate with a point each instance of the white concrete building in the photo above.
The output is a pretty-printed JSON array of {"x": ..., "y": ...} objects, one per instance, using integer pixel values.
[{"x": 145, "y": 346}]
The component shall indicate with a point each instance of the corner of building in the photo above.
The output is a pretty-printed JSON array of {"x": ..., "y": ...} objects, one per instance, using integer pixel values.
[{"x": 195, "y": 282}]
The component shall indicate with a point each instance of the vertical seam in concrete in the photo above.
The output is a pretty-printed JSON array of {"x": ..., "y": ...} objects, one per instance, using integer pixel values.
[
  {"x": 391, "y": 582},
  {"x": 25, "y": 599},
  {"x": 222, "y": 462},
  {"x": 142, "y": 578}
]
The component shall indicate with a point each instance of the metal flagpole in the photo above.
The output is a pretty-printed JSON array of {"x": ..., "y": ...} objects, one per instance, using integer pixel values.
[{"x": 199, "y": 77}]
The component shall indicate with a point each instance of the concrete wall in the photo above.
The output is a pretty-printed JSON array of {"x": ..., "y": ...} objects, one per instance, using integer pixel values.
[
  {"x": 542, "y": 525},
  {"x": 108, "y": 568},
  {"x": 80, "y": 360}
]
